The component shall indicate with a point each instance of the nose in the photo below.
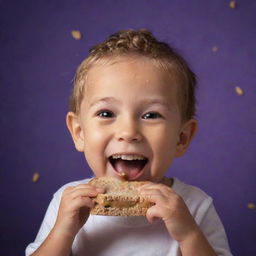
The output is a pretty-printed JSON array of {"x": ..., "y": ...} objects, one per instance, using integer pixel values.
[{"x": 128, "y": 130}]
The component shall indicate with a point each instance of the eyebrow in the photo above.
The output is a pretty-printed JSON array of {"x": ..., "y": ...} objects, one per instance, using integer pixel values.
[
  {"x": 153, "y": 101},
  {"x": 103, "y": 100}
]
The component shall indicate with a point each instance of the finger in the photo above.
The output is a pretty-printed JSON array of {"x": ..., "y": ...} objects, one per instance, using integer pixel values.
[
  {"x": 88, "y": 186},
  {"x": 153, "y": 214},
  {"x": 156, "y": 198},
  {"x": 85, "y": 192},
  {"x": 145, "y": 185},
  {"x": 70, "y": 190},
  {"x": 159, "y": 197},
  {"x": 159, "y": 186},
  {"x": 80, "y": 202},
  {"x": 148, "y": 191},
  {"x": 92, "y": 188},
  {"x": 67, "y": 190}
]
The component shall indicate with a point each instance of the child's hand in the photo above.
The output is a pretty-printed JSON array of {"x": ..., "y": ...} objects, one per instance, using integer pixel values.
[
  {"x": 171, "y": 208},
  {"x": 75, "y": 207}
]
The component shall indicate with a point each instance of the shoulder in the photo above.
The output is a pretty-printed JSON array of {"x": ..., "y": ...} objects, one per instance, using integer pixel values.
[
  {"x": 188, "y": 192},
  {"x": 196, "y": 199}
]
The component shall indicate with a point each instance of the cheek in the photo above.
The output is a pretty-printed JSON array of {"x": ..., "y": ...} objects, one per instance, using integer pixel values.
[
  {"x": 95, "y": 139},
  {"x": 163, "y": 140},
  {"x": 93, "y": 132},
  {"x": 94, "y": 148}
]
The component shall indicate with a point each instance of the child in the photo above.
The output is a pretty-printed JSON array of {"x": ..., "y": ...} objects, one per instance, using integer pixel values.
[{"x": 133, "y": 99}]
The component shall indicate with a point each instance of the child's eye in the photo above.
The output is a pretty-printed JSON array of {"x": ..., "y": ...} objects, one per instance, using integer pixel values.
[
  {"x": 105, "y": 114},
  {"x": 151, "y": 115}
]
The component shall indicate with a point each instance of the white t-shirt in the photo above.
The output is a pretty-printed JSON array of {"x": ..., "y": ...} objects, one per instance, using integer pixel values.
[{"x": 134, "y": 236}]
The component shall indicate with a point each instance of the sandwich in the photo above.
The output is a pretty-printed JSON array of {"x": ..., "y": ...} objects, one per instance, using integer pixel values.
[{"x": 121, "y": 198}]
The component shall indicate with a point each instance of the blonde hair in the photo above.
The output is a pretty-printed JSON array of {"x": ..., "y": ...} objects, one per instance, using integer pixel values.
[{"x": 140, "y": 43}]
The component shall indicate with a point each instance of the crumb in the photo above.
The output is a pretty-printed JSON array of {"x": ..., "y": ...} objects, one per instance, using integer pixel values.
[
  {"x": 239, "y": 90},
  {"x": 251, "y": 206},
  {"x": 215, "y": 48},
  {"x": 123, "y": 175},
  {"x": 232, "y": 4},
  {"x": 35, "y": 177},
  {"x": 76, "y": 34}
]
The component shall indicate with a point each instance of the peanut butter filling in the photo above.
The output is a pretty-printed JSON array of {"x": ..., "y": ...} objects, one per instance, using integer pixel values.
[{"x": 115, "y": 203}]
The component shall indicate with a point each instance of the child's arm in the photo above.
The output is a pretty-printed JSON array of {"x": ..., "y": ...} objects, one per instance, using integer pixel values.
[
  {"x": 180, "y": 224},
  {"x": 55, "y": 244},
  {"x": 72, "y": 215},
  {"x": 196, "y": 244}
]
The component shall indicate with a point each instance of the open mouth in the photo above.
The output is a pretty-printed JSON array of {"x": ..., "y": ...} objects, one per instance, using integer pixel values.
[{"x": 128, "y": 166}]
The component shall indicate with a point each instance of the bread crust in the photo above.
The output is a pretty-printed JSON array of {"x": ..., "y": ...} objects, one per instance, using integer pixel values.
[{"x": 121, "y": 198}]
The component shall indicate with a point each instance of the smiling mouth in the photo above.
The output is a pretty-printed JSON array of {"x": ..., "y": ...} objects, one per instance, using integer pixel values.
[{"x": 128, "y": 166}]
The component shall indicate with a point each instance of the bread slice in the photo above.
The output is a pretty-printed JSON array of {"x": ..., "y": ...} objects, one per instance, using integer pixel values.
[{"x": 121, "y": 198}]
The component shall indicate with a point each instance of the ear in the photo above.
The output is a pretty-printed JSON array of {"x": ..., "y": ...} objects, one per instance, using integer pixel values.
[
  {"x": 186, "y": 135},
  {"x": 75, "y": 129}
]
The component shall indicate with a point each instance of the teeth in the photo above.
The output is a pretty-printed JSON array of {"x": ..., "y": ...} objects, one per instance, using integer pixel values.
[{"x": 128, "y": 157}]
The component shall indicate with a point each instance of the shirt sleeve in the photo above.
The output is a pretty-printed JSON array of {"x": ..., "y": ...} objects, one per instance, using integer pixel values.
[
  {"x": 46, "y": 226},
  {"x": 214, "y": 231}
]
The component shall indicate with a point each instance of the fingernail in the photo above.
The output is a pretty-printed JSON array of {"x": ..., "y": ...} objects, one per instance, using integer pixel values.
[{"x": 101, "y": 190}]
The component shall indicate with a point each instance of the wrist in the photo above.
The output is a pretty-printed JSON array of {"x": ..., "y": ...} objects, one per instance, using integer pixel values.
[
  {"x": 56, "y": 243},
  {"x": 194, "y": 233},
  {"x": 62, "y": 234},
  {"x": 196, "y": 244}
]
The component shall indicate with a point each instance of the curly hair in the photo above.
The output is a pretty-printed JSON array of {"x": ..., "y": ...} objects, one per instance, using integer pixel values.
[{"x": 140, "y": 43}]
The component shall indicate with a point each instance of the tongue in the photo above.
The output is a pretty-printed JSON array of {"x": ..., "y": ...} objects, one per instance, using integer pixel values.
[{"x": 129, "y": 168}]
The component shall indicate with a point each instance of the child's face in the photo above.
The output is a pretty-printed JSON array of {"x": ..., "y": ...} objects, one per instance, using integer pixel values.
[{"x": 130, "y": 109}]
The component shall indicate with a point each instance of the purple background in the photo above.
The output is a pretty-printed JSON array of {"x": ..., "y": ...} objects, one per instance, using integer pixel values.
[{"x": 38, "y": 61}]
